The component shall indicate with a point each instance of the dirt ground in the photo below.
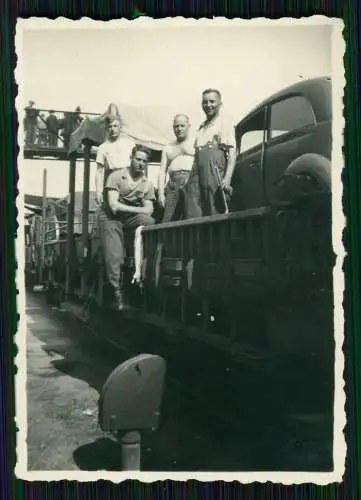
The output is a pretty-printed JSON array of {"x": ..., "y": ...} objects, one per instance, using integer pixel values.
[{"x": 66, "y": 369}]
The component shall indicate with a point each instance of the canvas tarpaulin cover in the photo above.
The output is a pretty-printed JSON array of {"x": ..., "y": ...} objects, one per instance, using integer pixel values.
[{"x": 150, "y": 126}]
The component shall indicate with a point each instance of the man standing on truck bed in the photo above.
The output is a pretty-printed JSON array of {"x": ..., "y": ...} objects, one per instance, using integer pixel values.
[
  {"x": 214, "y": 161},
  {"x": 128, "y": 205},
  {"x": 177, "y": 160},
  {"x": 113, "y": 154}
]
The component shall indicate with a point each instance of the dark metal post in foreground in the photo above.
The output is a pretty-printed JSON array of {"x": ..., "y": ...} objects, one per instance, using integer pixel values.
[
  {"x": 70, "y": 224},
  {"x": 85, "y": 214},
  {"x": 130, "y": 403}
]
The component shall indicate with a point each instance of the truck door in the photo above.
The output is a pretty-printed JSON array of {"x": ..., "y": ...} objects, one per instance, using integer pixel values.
[
  {"x": 292, "y": 132},
  {"x": 248, "y": 177}
]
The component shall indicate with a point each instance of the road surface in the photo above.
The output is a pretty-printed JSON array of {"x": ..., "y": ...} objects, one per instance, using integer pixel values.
[{"x": 66, "y": 368}]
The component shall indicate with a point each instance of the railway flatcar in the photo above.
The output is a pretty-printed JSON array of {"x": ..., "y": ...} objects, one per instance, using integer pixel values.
[{"x": 255, "y": 283}]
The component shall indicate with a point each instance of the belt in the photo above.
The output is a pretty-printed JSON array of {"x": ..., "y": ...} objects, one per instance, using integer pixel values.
[
  {"x": 178, "y": 172},
  {"x": 208, "y": 145},
  {"x": 213, "y": 145}
]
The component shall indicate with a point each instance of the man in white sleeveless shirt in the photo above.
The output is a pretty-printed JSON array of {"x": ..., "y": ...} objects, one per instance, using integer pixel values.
[
  {"x": 177, "y": 161},
  {"x": 114, "y": 153}
]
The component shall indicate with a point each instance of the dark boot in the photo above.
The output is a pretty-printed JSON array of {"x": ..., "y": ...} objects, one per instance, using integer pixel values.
[{"x": 119, "y": 300}]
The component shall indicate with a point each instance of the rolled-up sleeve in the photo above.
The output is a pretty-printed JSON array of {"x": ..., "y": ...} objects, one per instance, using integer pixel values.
[
  {"x": 229, "y": 135},
  {"x": 149, "y": 194},
  {"x": 100, "y": 158},
  {"x": 112, "y": 183}
]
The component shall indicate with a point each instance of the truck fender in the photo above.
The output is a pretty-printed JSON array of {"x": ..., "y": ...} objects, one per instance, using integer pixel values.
[{"x": 313, "y": 164}]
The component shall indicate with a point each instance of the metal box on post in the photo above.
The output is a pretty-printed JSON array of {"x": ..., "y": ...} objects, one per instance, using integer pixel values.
[{"x": 130, "y": 402}]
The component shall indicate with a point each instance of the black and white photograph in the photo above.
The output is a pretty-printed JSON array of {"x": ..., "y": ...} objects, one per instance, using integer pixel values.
[{"x": 180, "y": 250}]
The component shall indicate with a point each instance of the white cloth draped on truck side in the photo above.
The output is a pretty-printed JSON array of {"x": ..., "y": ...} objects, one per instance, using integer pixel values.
[{"x": 138, "y": 255}]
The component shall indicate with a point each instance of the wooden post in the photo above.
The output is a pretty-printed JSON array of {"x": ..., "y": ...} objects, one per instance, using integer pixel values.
[
  {"x": 85, "y": 215},
  {"x": 70, "y": 224},
  {"x": 43, "y": 226}
]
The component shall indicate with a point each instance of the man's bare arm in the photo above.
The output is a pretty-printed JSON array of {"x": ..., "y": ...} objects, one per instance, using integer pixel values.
[
  {"x": 162, "y": 172},
  {"x": 230, "y": 166},
  {"x": 116, "y": 206},
  {"x": 148, "y": 207}
]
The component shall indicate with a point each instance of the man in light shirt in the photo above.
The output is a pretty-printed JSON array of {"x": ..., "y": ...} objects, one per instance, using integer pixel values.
[
  {"x": 112, "y": 154},
  {"x": 128, "y": 204},
  {"x": 177, "y": 161},
  {"x": 214, "y": 151}
]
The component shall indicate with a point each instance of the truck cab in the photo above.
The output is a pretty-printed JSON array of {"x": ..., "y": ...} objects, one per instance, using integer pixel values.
[{"x": 288, "y": 133}]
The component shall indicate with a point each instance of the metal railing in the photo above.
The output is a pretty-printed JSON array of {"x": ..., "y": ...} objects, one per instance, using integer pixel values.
[{"x": 42, "y": 133}]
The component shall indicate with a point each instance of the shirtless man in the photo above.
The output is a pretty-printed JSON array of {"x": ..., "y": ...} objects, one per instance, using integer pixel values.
[{"x": 177, "y": 160}]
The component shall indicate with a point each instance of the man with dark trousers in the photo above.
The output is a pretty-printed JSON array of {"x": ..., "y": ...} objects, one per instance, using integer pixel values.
[
  {"x": 129, "y": 203},
  {"x": 215, "y": 155},
  {"x": 177, "y": 161}
]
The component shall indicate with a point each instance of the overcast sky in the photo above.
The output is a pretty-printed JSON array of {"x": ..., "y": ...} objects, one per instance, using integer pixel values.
[{"x": 164, "y": 66}]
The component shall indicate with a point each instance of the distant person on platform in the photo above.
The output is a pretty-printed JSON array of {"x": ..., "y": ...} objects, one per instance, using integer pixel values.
[
  {"x": 77, "y": 118},
  {"x": 52, "y": 124},
  {"x": 214, "y": 154},
  {"x": 177, "y": 160},
  {"x": 42, "y": 132},
  {"x": 129, "y": 204},
  {"x": 30, "y": 122},
  {"x": 66, "y": 127}
]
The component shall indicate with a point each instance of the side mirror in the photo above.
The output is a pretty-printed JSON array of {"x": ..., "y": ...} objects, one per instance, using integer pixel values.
[{"x": 132, "y": 394}]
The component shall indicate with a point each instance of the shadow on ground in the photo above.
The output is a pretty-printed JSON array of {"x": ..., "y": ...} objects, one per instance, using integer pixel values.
[
  {"x": 188, "y": 438},
  {"x": 102, "y": 454}
]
